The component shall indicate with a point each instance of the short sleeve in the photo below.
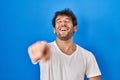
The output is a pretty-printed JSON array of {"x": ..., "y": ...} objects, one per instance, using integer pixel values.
[{"x": 92, "y": 68}]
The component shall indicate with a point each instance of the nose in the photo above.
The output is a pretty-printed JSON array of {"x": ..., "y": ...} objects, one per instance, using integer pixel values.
[{"x": 63, "y": 23}]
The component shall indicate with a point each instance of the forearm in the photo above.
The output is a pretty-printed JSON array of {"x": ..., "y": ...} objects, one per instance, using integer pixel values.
[{"x": 95, "y": 78}]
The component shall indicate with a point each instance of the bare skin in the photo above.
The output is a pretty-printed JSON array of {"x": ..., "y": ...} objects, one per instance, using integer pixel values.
[
  {"x": 39, "y": 51},
  {"x": 64, "y": 31},
  {"x": 94, "y": 78},
  {"x": 66, "y": 47}
]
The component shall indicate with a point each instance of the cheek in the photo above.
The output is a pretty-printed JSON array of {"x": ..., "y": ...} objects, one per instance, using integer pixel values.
[
  {"x": 55, "y": 30},
  {"x": 57, "y": 26}
]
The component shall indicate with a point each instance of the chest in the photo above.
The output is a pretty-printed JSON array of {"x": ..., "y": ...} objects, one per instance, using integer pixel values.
[{"x": 69, "y": 68}]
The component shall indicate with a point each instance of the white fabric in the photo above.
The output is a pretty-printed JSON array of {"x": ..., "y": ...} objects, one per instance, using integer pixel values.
[{"x": 69, "y": 67}]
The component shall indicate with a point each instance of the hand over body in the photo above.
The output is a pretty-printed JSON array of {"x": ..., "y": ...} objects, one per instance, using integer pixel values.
[{"x": 39, "y": 51}]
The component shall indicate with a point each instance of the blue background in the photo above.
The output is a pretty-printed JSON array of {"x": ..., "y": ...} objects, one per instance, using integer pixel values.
[{"x": 23, "y": 22}]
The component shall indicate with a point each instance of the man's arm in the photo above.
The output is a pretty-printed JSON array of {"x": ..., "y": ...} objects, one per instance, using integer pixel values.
[
  {"x": 94, "y": 78},
  {"x": 39, "y": 51}
]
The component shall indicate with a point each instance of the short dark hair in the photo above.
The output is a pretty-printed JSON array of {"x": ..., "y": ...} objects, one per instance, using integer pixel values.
[{"x": 66, "y": 12}]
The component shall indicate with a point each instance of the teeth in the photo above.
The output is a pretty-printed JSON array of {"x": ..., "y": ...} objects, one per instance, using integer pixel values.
[{"x": 63, "y": 29}]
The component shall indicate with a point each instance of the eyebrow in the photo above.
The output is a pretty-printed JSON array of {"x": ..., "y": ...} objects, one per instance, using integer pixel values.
[
  {"x": 57, "y": 19},
  {"x": 65, "y": 18}
]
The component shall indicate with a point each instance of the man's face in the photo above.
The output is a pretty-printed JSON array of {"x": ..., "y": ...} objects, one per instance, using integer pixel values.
[{"x": 64, "y": 28}]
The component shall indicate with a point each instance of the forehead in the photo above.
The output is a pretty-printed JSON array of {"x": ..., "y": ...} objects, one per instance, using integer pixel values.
[{"x": 59, "y": 17}]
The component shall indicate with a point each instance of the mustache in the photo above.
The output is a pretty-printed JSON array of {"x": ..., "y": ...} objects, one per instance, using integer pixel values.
[{"x": 62, "y": 27}]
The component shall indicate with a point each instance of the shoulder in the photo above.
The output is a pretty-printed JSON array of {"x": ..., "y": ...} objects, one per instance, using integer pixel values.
[
  {"x": 85, "y": 53},
  {"x": 51, "y": 44}
]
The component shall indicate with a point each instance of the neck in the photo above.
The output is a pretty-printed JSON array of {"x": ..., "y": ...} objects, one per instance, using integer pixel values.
[{"x": 68, "y": 47}]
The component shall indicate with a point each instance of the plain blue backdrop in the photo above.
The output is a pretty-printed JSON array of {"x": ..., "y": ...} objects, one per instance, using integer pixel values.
[{"x": 23, "y": 22}]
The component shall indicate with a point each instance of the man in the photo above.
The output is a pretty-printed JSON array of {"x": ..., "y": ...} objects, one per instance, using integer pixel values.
[{"x": 62, "y": 59}]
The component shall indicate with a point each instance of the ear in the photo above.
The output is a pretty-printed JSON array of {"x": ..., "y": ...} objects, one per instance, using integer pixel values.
[{"x": 75, "y": 28}]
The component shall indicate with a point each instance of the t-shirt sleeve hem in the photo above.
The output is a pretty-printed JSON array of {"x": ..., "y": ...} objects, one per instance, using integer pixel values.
[{"x": 93, "y": 75}]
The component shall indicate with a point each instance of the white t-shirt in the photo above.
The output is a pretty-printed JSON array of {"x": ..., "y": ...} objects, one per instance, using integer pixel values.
[{"x": 69, "y": 67}]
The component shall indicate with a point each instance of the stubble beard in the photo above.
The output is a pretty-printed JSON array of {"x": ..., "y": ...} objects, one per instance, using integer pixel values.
[{"x": 66, "y": 37}]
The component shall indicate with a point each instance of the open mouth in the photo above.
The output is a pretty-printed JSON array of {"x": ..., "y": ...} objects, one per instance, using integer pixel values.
[{"x": 63, "y": 30}]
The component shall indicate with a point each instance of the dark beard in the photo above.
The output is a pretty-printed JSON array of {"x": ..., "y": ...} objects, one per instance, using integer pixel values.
[{"x": 67, "y": 37}]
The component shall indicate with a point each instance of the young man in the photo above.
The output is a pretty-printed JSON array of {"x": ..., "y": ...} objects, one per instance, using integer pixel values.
[{"x": 62, "y": 59}]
